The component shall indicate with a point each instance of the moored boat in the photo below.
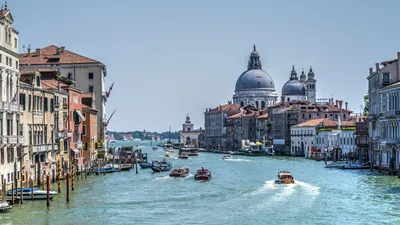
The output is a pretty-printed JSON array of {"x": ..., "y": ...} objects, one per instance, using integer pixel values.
[
  {"x": 202, "y": 174},
  {"x": 145, "y": 165},
  {"x": 37, "y": 194},
  {"x": 154, "y": 148},
  {"x": 167, "y": 154},
  {"x": 124, "y": 167},
  {"x": 157, "y": 166},
  {"x": 4, "y": 206},
  {"x": 109, "y": 168},
  {"x": 180, "y": 172},
  {"x": 285, "y": 177}
]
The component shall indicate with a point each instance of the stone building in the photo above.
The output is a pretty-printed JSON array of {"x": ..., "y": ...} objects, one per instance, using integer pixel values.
[
  {"x": 215, "y": 124},
  {"x": 89, "y": 129},
  {"x": 88, "y": 74},
  {"x": 362, "y": 139},
  {"x": 384, "y": 113},
  {"x": 37, "y": 126},
  {"x": 10, "y": 109},
  {"x": 284, "y": 115},
  {"x": 254, "y": 86},
  {"x": 189, "y": 136}
]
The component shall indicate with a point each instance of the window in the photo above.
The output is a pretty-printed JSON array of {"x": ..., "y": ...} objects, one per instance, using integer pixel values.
[
  {"x": 75, "y": 98},
  {"x": 51, "y": 105},
  {"x": 90, "y": 76},
  {"x": 84, "y": 130},
  {"x": 15, "y": 43},
  {"x": 16, "y": 65},
  {"x": 29, "y": 102},
  {"x": 46, "y": 104},
  {"x": 38, "y": 81},
  {"x": 386, "y": 78},
  {"x": 326, "y": 115},
  {"x": 70, "y": 76},
  {"x": 22, "y": 101},
  {"x": 10, "y": 61},
  {"x": 309, "y": 116},
  {"x": 90, "y": 88},
  {"x": 7, "y": 60},
  {"x": 45, "y": 134},
  {"x": 1, "y": 58}
]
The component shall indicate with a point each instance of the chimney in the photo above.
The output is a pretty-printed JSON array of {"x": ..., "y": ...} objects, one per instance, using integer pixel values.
[
  {"x": 346, "y": 103},
  {"x": 337, "y": 104},
  {"x": 38, "y": 51},
  {"x": 370, "y": 70},
  {"x": 377, "y": 66},
  {"x": 58, "y": 51},
  {"x": 59, "y": 85},
  {"x": 340, "y": 104},
  {"x": 29, "y": 50},
  {"x": 62, "y": 49}
]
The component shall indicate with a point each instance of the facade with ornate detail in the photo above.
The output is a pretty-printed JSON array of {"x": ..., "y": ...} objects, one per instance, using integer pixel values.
[
  {"x": 10, "y": 110},
  {"x": 384, "y": 113},
  {"x": 300, "y": 89},
  {"x": 254, "y": 86}
]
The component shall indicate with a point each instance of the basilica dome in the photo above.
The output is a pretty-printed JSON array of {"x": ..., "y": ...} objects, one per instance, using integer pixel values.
[
  {"x": 294, "y": 87},
  {"x": 254, "y": 79}
]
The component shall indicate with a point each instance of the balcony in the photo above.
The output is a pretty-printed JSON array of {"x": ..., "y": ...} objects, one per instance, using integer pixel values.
[
  {"x": 392, "y": 141},
  {"x": 37, "y": 113},
  {"x": 3, "y": 140},
  {"x": 79, "y": 145},
  {"x": 44, "y": 148},
  {"x": 57, "y": 105},
  {"x": 12, "y": 139},
  {"x": 65, "y": 106},
  {"x": 21, "y": 109},
  {"x": 13, "y": 107},
  {"x": 20, "y": 139},
  {"x": 4, "y": 106}
]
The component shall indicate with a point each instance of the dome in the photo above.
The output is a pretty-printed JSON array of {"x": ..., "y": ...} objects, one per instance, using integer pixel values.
[
  {"x": 293, "y": 87},
  {"x": 255, "y": 79}
]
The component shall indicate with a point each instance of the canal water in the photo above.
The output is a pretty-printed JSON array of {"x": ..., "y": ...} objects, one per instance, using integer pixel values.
[{"x": 242, "y": 191}]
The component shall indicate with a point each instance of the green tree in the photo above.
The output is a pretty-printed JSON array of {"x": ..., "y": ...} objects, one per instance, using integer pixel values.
[{"x": 366, "y": 104}]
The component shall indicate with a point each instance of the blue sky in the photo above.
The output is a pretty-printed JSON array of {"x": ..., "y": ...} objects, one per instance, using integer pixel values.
[{"x": 169, "y": 58}]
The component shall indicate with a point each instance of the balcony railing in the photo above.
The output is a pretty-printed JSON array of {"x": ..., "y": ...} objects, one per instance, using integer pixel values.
[
  {"x": 44, "y": 148},
  {"x": 12, "y": 139},
  {"x": 20, "y": 139},
  {"x": 21, "y": 108},
  {"x": 37, "y": 113},
  {"x": 392, "y": 141},
  {"x": 5, "y": 105},
  {"x": 13, "y": 107},
  {"x": 3, "y": 140}
]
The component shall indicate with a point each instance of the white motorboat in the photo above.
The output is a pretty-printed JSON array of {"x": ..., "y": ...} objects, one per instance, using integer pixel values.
[
  {"x": 167, "y": 154},
  {"x": 37, "y": 194},
  {"x": 226, "y": 157},
  {"x": 4, "y": 206}
]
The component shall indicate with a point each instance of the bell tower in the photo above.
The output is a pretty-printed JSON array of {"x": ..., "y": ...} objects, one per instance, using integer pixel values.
[
  {"x": 311, "y": 87},
  {"x": 187, "y": 126}
]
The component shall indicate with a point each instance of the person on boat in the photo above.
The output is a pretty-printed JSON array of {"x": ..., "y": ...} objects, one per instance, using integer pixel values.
[
  {"x": 164, "y": 161},
  {"x": 202, "y": 170}
]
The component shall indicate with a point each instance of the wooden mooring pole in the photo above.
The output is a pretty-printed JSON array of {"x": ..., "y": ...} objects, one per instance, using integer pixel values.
[
  {"x": 67, "y": 186},
  {"x": 48, "y": 189},
  {"x": 59, "y": 176}
]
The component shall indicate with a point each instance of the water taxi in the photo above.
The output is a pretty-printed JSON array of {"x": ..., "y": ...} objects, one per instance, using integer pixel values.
[
  {"x": 180, "y": 172},
  {"x": 202, "y": 174},
  {"x": 285, "y": 178},
  {"x": 37, "y": 194},
  {"x": 183, "y": 156},
  {"x": 157, "y": 166}
]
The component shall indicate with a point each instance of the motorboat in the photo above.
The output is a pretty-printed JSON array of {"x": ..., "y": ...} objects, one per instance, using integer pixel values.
[
  {"x": 202, "y": 174},
  {"x": 145, "y": 165},
  {"x": 167, "y": 154},
  {"x": 37, "y": 194},
  {"x": 226, "y": 157},
  {"x": 157, "y": 166},
  {"x": 109, "y": 168},
  {"x": 183, "y": 156},
  {"x": 4, "y": 206},
  {"x": 154, "y": 148},
  {"x": 285, "y": 177},
  {"x": 124, "y": 167},
  {"x": 180, "y": 172}
]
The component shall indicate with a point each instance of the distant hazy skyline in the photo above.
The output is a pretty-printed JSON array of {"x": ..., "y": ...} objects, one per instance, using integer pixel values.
[{"x": 169, "y": 58}]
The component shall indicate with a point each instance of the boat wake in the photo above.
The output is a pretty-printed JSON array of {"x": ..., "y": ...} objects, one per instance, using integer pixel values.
[
  {"x": 189, "y": 176},
  {"x": 237, "y": 160},
  {"x": 161, "y": 178},
  {"x": 308, "y": 187}
]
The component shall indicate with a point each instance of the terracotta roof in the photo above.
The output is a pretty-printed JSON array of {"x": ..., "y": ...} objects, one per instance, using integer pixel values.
[
  {"x": 392, "y": 85},
  {"x": 310, "y": 123},
  {"x": 237, "y": 115},
  {"x": 325, "y": 123},
  {"x": 384, "y": 63},
  {"x": 24, "y": 83},
  {"x": 50, "y": 52},
  {"x": 87, "y": 95},
  {"x": 52, "y": 84},
  {"x": 226, "y": 107},
  {"x": 263, "y": 116},
  {"x": 31, "y": 71}
]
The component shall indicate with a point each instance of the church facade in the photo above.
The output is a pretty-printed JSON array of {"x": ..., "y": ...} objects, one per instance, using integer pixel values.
[{"x": 189, "y": 136}]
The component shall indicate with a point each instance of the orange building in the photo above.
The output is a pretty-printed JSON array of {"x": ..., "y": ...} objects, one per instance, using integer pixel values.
[{"x": 89, "y": 128}]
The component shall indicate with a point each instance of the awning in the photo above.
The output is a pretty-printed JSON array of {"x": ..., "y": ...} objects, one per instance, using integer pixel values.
[
  {"x": 80, "y": 115},
  {"x": 258, "y": 143},
  {"x": 76, "y": 151}
]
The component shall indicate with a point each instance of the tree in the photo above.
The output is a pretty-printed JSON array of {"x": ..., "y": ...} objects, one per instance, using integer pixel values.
[{"x": 366, "y": 105}]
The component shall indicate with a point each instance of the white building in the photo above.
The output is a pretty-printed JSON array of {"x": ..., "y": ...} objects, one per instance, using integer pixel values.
[
  {"x": 10, "y": 140},
  {"x": 188, "y": 135},
  {"x": 88, "y": 74},
  {"x": 320, "y": 135}
]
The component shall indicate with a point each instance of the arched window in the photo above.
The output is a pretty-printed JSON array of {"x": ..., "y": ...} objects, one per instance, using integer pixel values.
[
  {"x": 288, "y": 99},
  {"x": 262, "y": 104},
  {"x": 257, "y": 104},
  {"x": 241, "y": 104}
]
